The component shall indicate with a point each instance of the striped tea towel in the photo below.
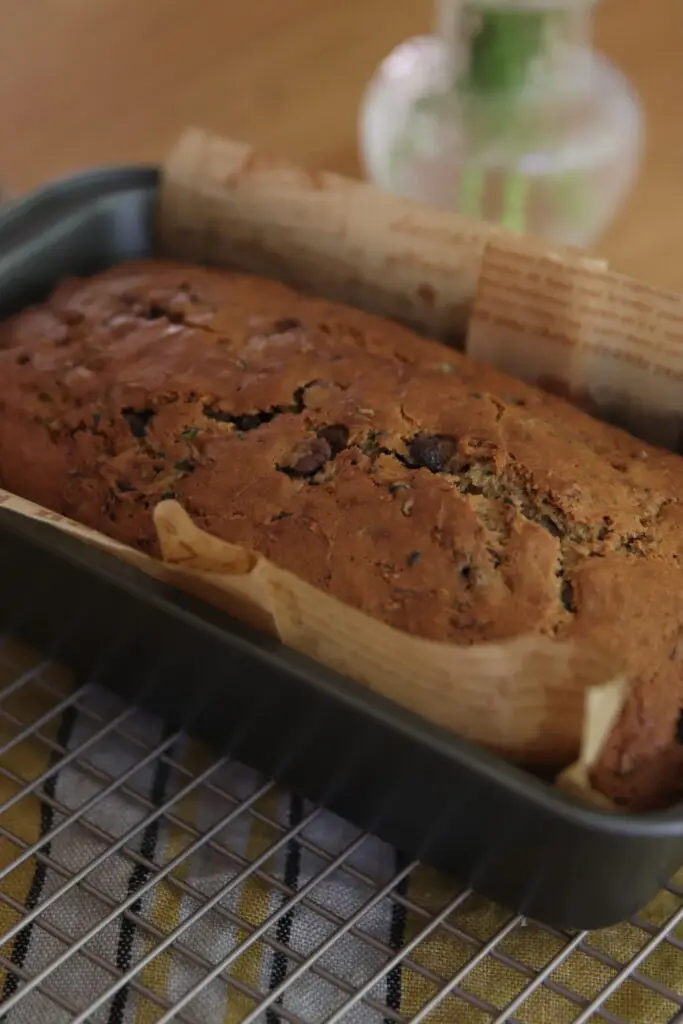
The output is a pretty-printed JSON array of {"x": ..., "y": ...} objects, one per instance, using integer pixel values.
[{"x": 142, "y": 880}]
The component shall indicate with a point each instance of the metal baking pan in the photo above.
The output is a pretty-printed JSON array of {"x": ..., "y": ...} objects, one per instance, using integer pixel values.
[{"x": 430, "y": 794}]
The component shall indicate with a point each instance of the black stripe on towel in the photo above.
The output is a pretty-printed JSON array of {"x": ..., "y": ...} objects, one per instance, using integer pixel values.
[
  {"x": 283, "y": 932},
  {"x": 22, "y": 942},
  {"x": 397, "y": 933},
  {"x": 138, "y": 877}
]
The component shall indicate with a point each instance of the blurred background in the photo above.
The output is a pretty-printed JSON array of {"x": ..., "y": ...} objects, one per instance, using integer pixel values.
[{"x": 84, "y": 82}]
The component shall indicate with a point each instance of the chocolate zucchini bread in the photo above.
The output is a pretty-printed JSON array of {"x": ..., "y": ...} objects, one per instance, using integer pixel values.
[{"x": 433, "y": 493}]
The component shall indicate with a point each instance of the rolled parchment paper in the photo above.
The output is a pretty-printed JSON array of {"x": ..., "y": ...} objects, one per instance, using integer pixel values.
[
  {"x": 531, "y": 699},
  {"x": 601, "y": 340},
  {"x": 601, "y": 710},
  {"x": 223, "y": 202}
]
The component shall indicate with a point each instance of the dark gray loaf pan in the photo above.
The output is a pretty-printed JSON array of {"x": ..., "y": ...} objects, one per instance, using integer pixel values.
[{"x": 430, "y": 794}]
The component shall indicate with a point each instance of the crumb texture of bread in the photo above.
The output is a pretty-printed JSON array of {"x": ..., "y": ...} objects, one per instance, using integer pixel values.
[{"x": 435, "y": 494}]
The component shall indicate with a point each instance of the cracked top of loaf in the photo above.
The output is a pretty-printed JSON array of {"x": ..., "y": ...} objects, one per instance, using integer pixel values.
[{"x": 433, "y": 493}]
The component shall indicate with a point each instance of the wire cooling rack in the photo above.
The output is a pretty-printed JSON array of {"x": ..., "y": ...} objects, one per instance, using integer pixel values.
[{"x": 143, "y": 880}]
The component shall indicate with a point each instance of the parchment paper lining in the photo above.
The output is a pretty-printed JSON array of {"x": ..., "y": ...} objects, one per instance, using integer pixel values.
[{"x": 525, "y": 699}]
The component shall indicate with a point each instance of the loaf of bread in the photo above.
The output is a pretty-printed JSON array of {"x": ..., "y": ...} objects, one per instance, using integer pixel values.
[{"x": 433, "y": 493}]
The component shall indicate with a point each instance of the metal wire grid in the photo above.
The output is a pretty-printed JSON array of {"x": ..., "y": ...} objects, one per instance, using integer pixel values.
[{"x": 346, "y": 936}]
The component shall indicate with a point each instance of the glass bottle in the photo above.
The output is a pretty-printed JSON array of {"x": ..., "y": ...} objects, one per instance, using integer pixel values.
[{"x": 507, "y": 114}]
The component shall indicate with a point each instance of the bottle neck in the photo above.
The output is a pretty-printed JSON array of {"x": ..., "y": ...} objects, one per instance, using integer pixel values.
[{"x": 504, "y": 47}]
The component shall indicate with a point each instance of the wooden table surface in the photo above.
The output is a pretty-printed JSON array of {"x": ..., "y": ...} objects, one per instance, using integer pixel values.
[{"x": 92, "y": 81}]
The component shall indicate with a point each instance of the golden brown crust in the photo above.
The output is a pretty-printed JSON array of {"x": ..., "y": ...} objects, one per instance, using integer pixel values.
[{"x": 433, "y": 493}]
